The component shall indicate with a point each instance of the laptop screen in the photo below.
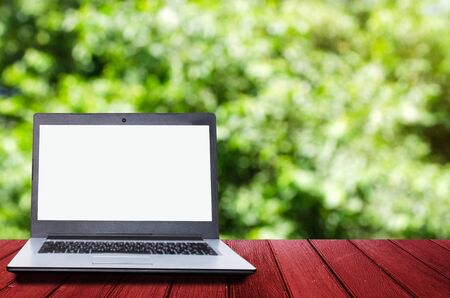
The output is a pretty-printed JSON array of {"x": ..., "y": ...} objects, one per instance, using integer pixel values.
[{"x": 124, "y": 173}]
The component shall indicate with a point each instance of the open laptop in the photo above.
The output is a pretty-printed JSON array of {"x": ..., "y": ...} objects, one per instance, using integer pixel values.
[{"x": 125, "y": 193}]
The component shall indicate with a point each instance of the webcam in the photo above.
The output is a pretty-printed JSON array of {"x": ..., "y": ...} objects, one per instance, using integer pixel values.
[{"x": 124, "y": 120}]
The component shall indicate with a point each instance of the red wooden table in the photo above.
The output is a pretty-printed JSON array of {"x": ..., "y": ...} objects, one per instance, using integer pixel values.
[{"x": 284, "y": 268}]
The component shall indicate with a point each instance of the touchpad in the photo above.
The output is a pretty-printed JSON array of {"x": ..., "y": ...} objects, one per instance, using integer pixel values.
[{"x": 122, "y": 260}]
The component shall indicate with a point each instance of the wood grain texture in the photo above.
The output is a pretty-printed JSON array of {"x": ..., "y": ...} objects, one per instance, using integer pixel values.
[
  {"x": 8, "y": 247},
  {"x": 8, "y": 251},
  {"x": 142, "y": 285},
  {"x": 87, "y": 285},
  {"x": 284, "y": 268},
  {"x": 304, "y": 271},
  {"x": 405, "y": 269},
  {"x": 428, "y": 252},
  {"x": 443, "y": 243},
  {"x": 34, "y": 284},
  {"x": 6, "y": 277},
  {"x": 360, "y": 275},
  {"x": 199, "y": 286},
  {"x": 267, "y": 281}
]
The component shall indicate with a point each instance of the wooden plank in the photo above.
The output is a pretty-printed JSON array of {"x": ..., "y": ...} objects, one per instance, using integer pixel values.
[
  {"x": 428, "y": 252},
  {"x": 199, "y": 286},
  {"x": 6, "y": 277},
  {"x": 267, "y": 281},
  {"x": 361, "y": 276},
  {"x": 35, "y": 284},
  {"x": 443, "y": 243},
  {"x": 304, "y": 271},
  {"x": 25, "y": 284},
  {"x": 405, "y": 269},
  {"x": 3, "y": 242},
  {"x": 87, "y": 285},
  {"x": 142, "y": 285},
  {"x": 7, "y": 247},
  {"x": 7, "y": 253}
]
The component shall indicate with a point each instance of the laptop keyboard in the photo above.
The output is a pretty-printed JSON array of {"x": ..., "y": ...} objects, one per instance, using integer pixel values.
[{"x": 128, "y": 247}]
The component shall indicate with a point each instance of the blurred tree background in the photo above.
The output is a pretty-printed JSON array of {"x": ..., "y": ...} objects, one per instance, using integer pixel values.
[{"x": 333, "y": 116}]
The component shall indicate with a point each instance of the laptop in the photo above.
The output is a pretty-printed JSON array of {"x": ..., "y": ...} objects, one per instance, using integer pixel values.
[{"x": 125, "y": 193}]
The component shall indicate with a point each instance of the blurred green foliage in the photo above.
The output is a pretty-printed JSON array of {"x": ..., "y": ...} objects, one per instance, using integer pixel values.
[{"x": 333, "y": 116}]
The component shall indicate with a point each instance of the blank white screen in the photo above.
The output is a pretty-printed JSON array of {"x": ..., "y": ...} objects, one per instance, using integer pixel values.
[{"x": 124, "y": 173}]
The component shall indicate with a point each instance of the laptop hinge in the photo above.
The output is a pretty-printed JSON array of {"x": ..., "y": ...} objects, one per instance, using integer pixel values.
[{"x": 108, "y": 236}]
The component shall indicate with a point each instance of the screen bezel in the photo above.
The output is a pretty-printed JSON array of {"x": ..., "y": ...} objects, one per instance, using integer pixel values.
[{"x": 204, "y": 229}]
